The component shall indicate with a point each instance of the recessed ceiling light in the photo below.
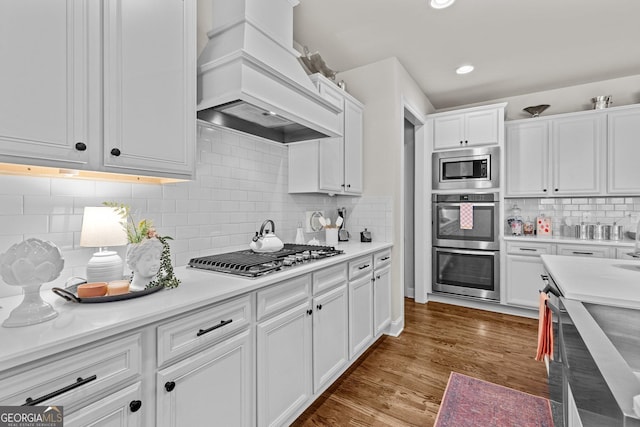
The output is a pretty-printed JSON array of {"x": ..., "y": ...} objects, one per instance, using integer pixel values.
[
  {"x": 441, "y": 4},
  {"x": 465, "y": 69}
]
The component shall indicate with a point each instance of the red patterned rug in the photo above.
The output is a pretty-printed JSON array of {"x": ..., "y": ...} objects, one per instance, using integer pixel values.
[{"x": 472, "y": 402}]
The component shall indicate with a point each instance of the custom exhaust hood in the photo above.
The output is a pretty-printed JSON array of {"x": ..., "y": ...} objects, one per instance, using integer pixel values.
[{"x": 249, "y": 77}]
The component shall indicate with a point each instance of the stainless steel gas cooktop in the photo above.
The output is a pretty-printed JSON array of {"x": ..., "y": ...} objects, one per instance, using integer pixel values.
[{"x": 252, "y": 264}]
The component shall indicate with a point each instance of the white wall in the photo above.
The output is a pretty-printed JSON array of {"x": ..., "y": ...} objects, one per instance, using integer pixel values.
[
  {"x": 383, "y": 87},
  {"x": 624, "y": 91}
]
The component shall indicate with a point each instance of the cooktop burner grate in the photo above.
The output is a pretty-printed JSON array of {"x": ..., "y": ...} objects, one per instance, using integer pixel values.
[{"x": 251, "y": 264}]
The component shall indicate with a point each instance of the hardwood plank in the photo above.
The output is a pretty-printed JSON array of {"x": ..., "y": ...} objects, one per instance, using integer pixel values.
[{"x": 400, "y": 381}]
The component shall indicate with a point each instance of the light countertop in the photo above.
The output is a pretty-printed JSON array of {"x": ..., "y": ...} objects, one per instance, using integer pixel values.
[
  {"x": 625, "y": 243},
  {"x": 79, "y": 324},
  {"x": 597, "y": 280}
]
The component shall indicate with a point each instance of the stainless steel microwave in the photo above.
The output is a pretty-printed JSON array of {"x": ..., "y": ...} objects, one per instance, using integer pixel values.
[{"x": 475, "y": 168}]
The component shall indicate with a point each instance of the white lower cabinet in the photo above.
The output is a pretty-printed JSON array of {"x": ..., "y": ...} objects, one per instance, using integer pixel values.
[
  {"x": 360, "y": 314},
  {"x": 330, "y": 335},
  {"x": 260, "y": 358},
  {"x": 382, "y": 300},
  {"x": 284, "y": 365},
  {"x": 213, "y": 387},
  {"x": 120, "y": 409}
]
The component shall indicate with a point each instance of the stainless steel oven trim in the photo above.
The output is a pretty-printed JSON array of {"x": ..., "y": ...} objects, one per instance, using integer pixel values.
[
  {"x": 466, "y": 244},
  {"x": 492, "y": 296},
  {"x": 493, "y": 169}
]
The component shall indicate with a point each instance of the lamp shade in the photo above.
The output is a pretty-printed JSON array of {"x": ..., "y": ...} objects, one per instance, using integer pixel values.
[{"x": 102, "y": 227}]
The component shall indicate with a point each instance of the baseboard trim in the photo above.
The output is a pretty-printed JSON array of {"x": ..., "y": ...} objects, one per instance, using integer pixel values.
[{"x": 395, "y": 327}]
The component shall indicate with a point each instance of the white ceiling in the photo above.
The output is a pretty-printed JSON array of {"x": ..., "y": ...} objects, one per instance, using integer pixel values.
[{"x": 516, "y": 46}]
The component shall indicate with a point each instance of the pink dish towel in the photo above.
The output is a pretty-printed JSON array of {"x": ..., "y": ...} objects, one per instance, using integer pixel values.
[
  {"x": 466, "y": 216},
  {"x": 545, "y": 330}
]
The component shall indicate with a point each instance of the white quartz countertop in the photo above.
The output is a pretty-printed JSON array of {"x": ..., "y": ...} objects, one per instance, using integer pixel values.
[
  {"x": 625, "y": 243},
  {"x": 597, "y": 280},
  {"x": 79, "y": 324}
]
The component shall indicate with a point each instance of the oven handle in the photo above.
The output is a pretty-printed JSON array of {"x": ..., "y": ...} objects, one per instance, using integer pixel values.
[
  {"x": 456, "y": 204},
  {"x": 466, "y": 251},
  {"x": 548, "y": 287}
]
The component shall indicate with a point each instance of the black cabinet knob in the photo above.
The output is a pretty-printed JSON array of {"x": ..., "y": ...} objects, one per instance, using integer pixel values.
[
  {"x": 319, "y": 306},
  {"x": 309, "y": 312},
  {"x": 169, "y": 386},
  {"x": 461, "y": 142},
  {"x": 134, "y": 405},
  {"x": 348, "y": 185},
  {"x": 545, "y": 190},
  {"x": 555, "y": 189},
  {"x": 466, "y": 142},
  {"x": 115, "y": 152},
  {"x": 81, "y": 146}
]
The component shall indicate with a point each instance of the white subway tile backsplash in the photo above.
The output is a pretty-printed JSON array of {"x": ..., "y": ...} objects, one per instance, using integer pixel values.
[
  {"x": 241, "y": 181},
  {"x": 23, "y": 224},
  {"x": 11, "y": 205}
]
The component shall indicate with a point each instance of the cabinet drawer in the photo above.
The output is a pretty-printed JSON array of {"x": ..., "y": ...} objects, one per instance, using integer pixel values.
[
  {"x": 181, "y": 336},
  {"x": 586, "y": 251},
  {"x": 284, "y": 295},
  {"x": 83, "y": 373},
  {"x": 329, "y": 277},
  {"x": 381, "y": 259},
  {"x": 529, "y": 248},
  {"x": 360, "y": 267},
  {"x": 623, "y": 253}
]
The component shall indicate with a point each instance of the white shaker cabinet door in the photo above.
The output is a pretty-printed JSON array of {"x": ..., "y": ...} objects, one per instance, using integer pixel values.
[
  {"x": 448, "y": 132},
  {"x": 382, "y": 300},
  {"x": 527, "y": 159},
  {"x": 523, "y": 280},
  {"x": 284, "y": 365},
  {"x": 577, "y": 153},
  {"x": 481, "y": 127},
  {"x": 360, "y": 314},
  {"x": 624, "y": 152},
  {"x": 213, "y": 387},
  {"x": 44, "y": 80},
  {"x": 330, "y": 335},
  {"x": 149, "y": 85},
  {"x": 353, "y": 142}
]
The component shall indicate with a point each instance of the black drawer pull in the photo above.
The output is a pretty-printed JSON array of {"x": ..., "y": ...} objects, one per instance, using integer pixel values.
[
  {"x": 169, "y": 386},
  {"x": 529, "y": 249},
  {"x": 363, "y": 267},
  {"x": 582, "y": 253},
  {"x": 115, "y": 152},
  {"x": 79, "y": 382},
  {"x": 385, "y": 258},
  {"x": 213, "y": 328},
  {"x": 134, "y": 405},
  {"x": 81, "y": 146}
]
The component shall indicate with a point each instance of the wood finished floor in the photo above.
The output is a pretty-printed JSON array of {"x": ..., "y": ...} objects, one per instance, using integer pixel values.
[{"x": 400, "y": 381}]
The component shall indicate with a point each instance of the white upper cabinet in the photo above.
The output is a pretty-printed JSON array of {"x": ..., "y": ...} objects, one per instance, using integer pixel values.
[
  {"x": 149, "y": 81},
  {"x": 330, "y": 165},
  {"x": 624, "y": 151},
  {"x": 555, "y": 157},
  {"x": 99, "y": 86},
  {"x": 526, "y": 158},
  {"x": 469, "y": 127},
  {"x": 577, "y": 154},
  {"x": 43, "y": 80}
]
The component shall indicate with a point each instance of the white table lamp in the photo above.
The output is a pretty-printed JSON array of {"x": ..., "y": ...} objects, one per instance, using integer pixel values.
[{"x": 102, "y": 227}]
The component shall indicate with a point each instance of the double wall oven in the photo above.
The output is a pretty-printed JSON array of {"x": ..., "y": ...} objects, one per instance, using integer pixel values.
[{"x": 466, "y": 244}]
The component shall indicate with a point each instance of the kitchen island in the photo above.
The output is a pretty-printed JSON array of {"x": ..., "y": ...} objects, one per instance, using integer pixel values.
[
  {"x": 599, "y": 337},
  {"x": 252, "y": 351}
]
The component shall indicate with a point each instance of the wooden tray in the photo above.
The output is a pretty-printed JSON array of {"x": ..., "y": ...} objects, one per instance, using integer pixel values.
[{"x": 70, "y": 293}]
